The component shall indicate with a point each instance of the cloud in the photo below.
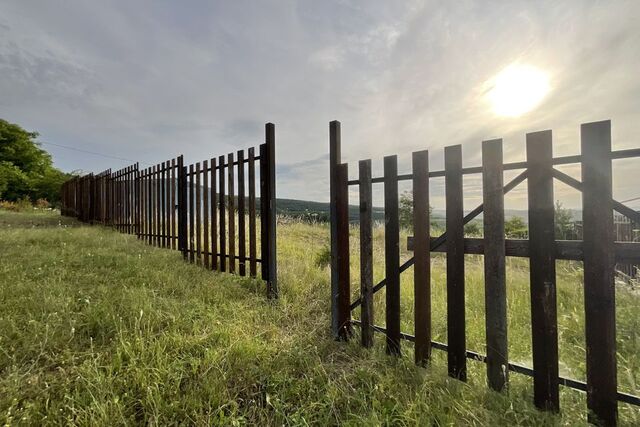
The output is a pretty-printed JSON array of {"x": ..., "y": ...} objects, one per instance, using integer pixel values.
[
  {"x": 329, "y": 58},
  {"x": 149, "y": 80}
]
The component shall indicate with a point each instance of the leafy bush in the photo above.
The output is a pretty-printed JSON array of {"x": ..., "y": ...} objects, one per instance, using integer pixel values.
[
  {"x": 42, "y": 204},
  {"x": 9, "y": 206}
]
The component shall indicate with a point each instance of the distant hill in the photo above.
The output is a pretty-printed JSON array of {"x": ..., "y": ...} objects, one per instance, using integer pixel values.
[{"x": 319, "y": 210}]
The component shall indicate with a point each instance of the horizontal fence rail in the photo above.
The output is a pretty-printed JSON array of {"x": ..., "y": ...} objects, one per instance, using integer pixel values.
[
  {"x": 598, "y": 251},
  {"x": 207, "y": 210}
]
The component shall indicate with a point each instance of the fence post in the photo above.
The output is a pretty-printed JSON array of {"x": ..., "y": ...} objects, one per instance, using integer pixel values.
[
  {"x": 268, "y": 211},
  {"x": 242, "y": 240},
  {"x": 163, "y": 203},
  {"x": 494, "y": 265},
  {"x": 93, "y": 182},
  {"x": 231, "y": 212},
  {"x": 422, "y": 257},
  {"x": 81, "y": 198},
  {"x": 342, "y": 245},
  {"x": 110, "y": 199},
  {"x": 172, "y": 186},
  {"x": 334, "y": 161},
  {"x": 599, "y": 288},
  {"x": 182, "y": 207},
  {"x": 252, "y": 213},
  {"x": 457, "y": 352},
  {"x": 192, "y": 210},
  {"x": 366, "y": 253},
  {"x": 392, "y": 253},
  {"x": 150, "y": 204},
  {"x": 143, "y": 205},
  {"x": 222, "y": 215},
  {"x": 158, "y": 201},
  {"x": 123, "y": 200},
  {"x": 544, "y": 324},
  {"x": 214, "y": 216},
  {"x": 205, "y": 213},
  {"x": 137, "y": 200},
  {"x": 198, "y": 214}
]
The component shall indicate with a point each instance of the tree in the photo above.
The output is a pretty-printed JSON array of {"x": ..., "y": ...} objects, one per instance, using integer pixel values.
[
  {"x": 516, "y": 228},
  {"x": 17, "y": 146},
  {"x": 563, "y": 221},
  {"x": 47, "y": 186},
  {"x": 14, "y": 183},
  {"x": 405, "y": 210},
  {"x": 26, "y": 170},
  {"x": 473, "y": 229}
]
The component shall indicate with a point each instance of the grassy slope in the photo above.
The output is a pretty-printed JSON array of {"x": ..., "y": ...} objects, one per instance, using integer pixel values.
[{"x": 98, "y": 328}]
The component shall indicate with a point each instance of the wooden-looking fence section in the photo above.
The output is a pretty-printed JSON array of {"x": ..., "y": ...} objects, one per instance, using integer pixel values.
[
  {"x": 207, "y": 210},
  {"x": 598, "y": 251}
]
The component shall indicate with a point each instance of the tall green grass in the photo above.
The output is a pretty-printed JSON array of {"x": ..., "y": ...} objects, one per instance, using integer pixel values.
[{"x": 96, "y": 328}]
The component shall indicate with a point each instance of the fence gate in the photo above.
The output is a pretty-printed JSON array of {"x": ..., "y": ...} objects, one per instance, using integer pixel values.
[
  {"x": 598, "y": 251},
  {"x": 207, "y": 210}
]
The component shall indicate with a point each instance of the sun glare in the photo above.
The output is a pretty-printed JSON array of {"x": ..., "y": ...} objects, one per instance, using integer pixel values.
[{"x": 518, "y": 89}]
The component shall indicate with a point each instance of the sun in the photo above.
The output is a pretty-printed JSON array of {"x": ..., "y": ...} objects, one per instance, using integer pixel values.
[{"x": 517, "y": 89}]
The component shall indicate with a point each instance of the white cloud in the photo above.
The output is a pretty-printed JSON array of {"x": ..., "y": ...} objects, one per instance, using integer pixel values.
[
  {"x": 150, "y": 79},
  {"x": 329, "y": 58}
]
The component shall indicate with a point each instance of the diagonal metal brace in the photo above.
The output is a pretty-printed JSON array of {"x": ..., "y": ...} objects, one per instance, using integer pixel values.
[{"x": 443, "y": 237}]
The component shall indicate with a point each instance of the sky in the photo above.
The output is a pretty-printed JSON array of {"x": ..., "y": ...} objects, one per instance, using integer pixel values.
[{"x": 149, "y": 80}]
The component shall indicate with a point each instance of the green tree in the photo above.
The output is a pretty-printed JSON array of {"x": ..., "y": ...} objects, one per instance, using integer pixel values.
[
  {"x": 14, "y": 183},
  {"x": 26, "y": 170},
  {"x": 405, "y": 210},
  {"x": 47, "y": 185},
  {"x": 473, "y": 229},
  {"x": 516, "y": 228},
  {"x": 17, "y": 146},
  {"x": 563, "y": 222}
]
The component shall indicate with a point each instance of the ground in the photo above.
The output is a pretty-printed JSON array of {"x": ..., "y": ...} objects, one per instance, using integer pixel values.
[{"x": 98, "y": 328}]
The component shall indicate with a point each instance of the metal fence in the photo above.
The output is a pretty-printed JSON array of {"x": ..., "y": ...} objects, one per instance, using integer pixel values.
[
  {"x": 207, "y": 210},
  {"x": 598, "y": 252}
]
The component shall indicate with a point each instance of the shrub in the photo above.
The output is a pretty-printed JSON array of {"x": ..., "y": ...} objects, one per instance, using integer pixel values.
[
  {"x": 8, "y": 205},
  {"x": 21, "y": 205},
  {"x": 42, "y": 204}
]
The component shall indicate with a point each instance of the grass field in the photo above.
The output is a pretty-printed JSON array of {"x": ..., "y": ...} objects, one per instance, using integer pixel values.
[{"x": 97, "y": 328}]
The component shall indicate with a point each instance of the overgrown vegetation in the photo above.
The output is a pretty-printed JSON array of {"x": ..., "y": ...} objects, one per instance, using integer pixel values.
[
  {"x": 97, "y": 328},
  {"x": 26, "y": 170}
]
